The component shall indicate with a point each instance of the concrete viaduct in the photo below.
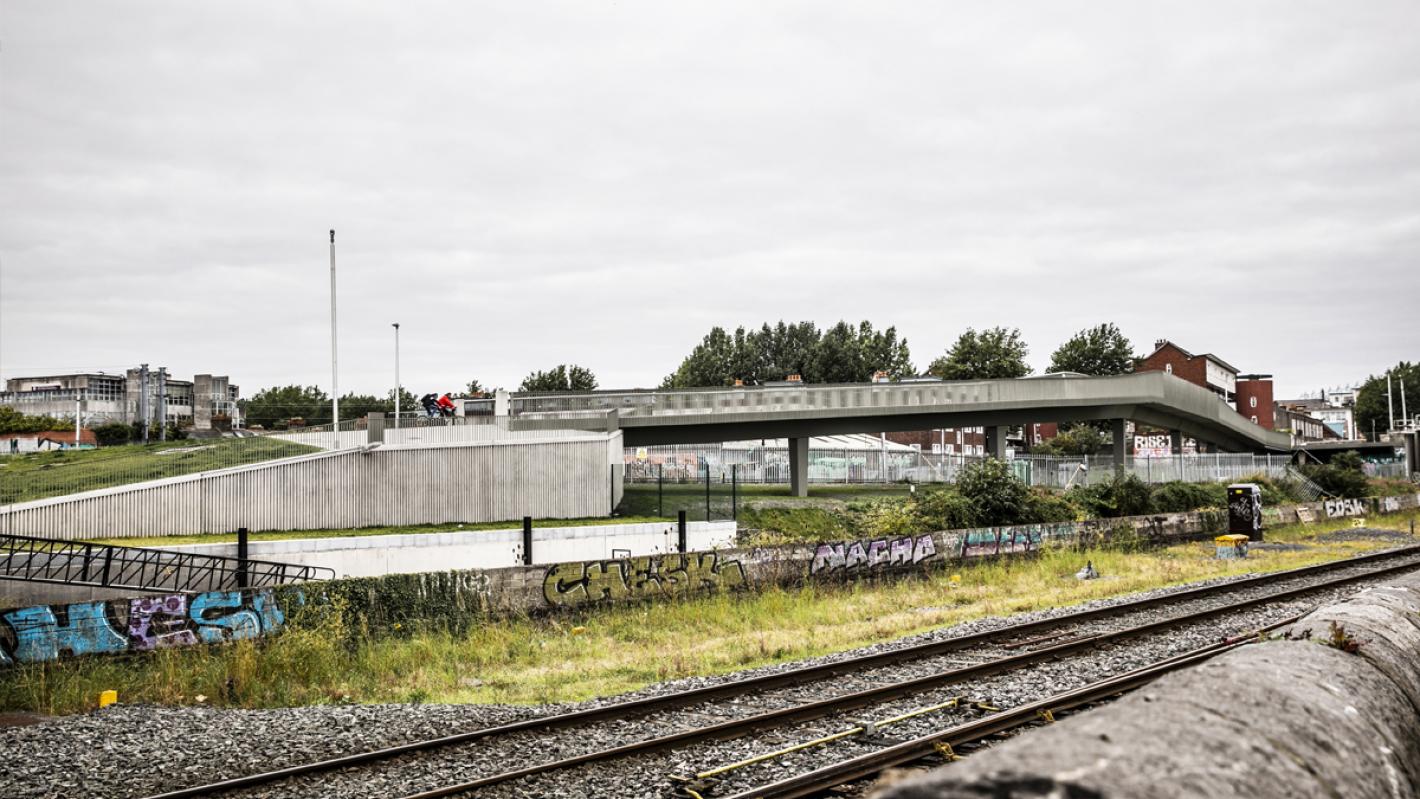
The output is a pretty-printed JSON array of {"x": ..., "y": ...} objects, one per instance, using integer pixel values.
[{"x": 651, "y": 417}]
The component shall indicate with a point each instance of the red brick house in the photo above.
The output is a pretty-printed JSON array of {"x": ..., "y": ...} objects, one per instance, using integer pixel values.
[{"x": 1206, "y": 370}]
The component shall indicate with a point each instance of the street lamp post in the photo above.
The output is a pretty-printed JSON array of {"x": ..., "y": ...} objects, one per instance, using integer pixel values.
[
  {"x": 334, "y": 371},
  {"x": 396, "y": 375}
]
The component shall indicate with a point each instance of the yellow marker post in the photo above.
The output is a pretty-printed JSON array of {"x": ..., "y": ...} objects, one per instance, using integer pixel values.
[{"x": 109, "y": 697}]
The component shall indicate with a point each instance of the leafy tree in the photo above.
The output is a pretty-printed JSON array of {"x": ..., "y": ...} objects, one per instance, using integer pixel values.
[
  {"x": 354, "y": 406},
  {"x": 843, "y": 354},
  {"x": 848, "y": 355},
  {"x": 475, "y": 389},
  {"x": 273, "y": 406},
  {"x": 1101, "y": 350},
  {"x": 991, "y": 354},
  {"x": 12, "y": 421},
  {"x": 1371, "y": 410},
  {"x": 711, "y": 363},
  {"x": 785, "y": 349},
  {"x": 564, "y": 377},
  {"x": 1080, "y": 439},
  {"x": 407, "y": 401}
]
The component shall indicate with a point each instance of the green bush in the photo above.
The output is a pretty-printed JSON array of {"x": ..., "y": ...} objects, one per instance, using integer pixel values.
[
  {"x": 891, "y": 517},
  {"x": 112, "y": 434},
  {"x": 12, "y": 421},
  {"x": 1044, "y": 506},
  {"x": 1180, "y": 497},
  {"x": 1342, "y": 477},
  {"x": 996, "y": 495},
  {"x": 1124, "y": 495},
  {"x": 943, "y": 509}
]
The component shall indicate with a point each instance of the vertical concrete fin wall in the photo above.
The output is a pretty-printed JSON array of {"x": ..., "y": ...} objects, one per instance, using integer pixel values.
[
  {"x": 1285, "y": 718},
  {"x": 483, "y": 481}
]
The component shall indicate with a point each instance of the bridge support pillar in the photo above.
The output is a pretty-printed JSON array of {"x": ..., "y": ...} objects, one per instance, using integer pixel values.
[
  {"x": 799, "y": 467},
  {"x": 1175, "y": 442},
  {"x": 1120, "y": 446},
  {"x": 996, "y": 442}
]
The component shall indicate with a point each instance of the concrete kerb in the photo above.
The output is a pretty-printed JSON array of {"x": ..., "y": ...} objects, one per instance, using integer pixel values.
[{"x": 1286, "y": 718}]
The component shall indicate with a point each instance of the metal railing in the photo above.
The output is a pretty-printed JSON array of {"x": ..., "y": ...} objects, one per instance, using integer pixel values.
[
  {"x": 49, "y": 560},
  {"x": 688, "y": 463}
]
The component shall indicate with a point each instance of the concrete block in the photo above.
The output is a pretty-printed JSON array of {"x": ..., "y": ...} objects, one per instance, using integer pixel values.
[{"x": 1284, "y": 719}]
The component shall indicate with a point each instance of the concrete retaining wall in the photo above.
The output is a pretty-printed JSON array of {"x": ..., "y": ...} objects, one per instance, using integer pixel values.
[
  {"x": 389, "y": 485},
  {"x": 1285, "y": 719},
  {"x": 375, "y": 555}
]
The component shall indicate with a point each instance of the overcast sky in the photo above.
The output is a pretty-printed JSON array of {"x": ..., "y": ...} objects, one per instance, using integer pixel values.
[{"x": 526, "y": 184}]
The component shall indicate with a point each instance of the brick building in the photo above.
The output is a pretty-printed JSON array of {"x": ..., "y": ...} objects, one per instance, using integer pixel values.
[
  {"x": 1206, "y": 370},
  {"x": 1254, "y": 399}
]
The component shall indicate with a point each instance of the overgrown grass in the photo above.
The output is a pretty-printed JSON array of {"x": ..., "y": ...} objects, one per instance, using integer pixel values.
[
  {"x": 452, "y": 527},
  {"x": 615, "y": 649},
  {"x": 47, "y": 474}
]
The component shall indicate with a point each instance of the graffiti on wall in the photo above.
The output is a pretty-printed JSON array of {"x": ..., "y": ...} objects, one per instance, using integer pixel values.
[
  {"x": 47, "y": 632},
  {"x": 631, "y": 578},
  {"x": 1008, "y": 540},
  {"x": 1336, "y": 508},
  {"x": 880, "y": 553},
  {"x": 1390, "y": 504}
]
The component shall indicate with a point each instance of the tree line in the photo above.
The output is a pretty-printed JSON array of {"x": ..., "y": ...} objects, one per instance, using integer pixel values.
[{"x": 847, "y": 353}]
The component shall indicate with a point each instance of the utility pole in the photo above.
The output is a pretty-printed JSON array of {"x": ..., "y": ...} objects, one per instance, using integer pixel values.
[
  {"x": 162, "y": 403},
  {"x": 396, "y": 375},
  {"x": 334, "y": 370},
  {"x": 143, "y": 399},
  {"x": 1404, "y": 414},
  {"x": 1389, "y": 402}
]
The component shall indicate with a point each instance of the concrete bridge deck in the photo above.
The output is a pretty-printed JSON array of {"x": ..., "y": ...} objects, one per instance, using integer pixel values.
[{"x": 653, "y": 417}]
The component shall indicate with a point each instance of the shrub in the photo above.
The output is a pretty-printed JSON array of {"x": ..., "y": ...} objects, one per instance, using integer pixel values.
[
  {"x": 1046, "y": 506},
  {"x": 943, "y": 509},
  {"x": 112, "y": 434},
  {"x": 1342, "y": 477},
  {"x": 1180, "y": 497},
  {"x": 1124, "y": 495},
  {"x": 888, "y": 518},
  {"x": 996, "y": 495}
]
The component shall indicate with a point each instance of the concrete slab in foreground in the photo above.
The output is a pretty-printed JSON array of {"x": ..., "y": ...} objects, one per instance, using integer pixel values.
[{"x": 1285, "y": 718}]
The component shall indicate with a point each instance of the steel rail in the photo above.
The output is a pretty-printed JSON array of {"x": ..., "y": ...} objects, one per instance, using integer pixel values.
[
  {"x": 790, "y": 677},
  {"x": 870, "y": 696},
  {"x": 873, "y": 763}
]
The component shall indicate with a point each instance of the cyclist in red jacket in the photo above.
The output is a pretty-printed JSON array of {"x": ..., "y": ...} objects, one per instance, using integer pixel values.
[{"x": 446, "y": 405}]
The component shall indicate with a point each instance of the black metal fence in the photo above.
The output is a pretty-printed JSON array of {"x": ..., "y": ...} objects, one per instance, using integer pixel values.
[
  {"x": 50, "y": 560},
  {"x": 705, "y": 494}
]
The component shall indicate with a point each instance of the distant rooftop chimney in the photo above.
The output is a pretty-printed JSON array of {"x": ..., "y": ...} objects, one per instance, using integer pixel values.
[
  {"x": 1160, "y": 342},
  {"x": 794, "y": 379},
  {"x": 739, "y": 382}
]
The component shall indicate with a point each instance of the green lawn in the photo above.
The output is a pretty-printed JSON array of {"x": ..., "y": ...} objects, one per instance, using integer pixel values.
[{"x": 48, "y": 474}]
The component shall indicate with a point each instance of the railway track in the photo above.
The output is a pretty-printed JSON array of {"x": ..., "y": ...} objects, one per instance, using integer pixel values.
[{"x": 637, "y": 731}]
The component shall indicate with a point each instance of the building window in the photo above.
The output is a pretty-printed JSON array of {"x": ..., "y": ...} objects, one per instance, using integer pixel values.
[
  {"x": 1254, "y": 419},
  {"x": 1252, "y": 403},
  {"x": 1168, "y": 368}
]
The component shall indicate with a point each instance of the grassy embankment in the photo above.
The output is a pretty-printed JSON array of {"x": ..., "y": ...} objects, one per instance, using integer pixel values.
[
  {"x": 48, "y": 474},
  {"x": 615, "y": 649}
]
